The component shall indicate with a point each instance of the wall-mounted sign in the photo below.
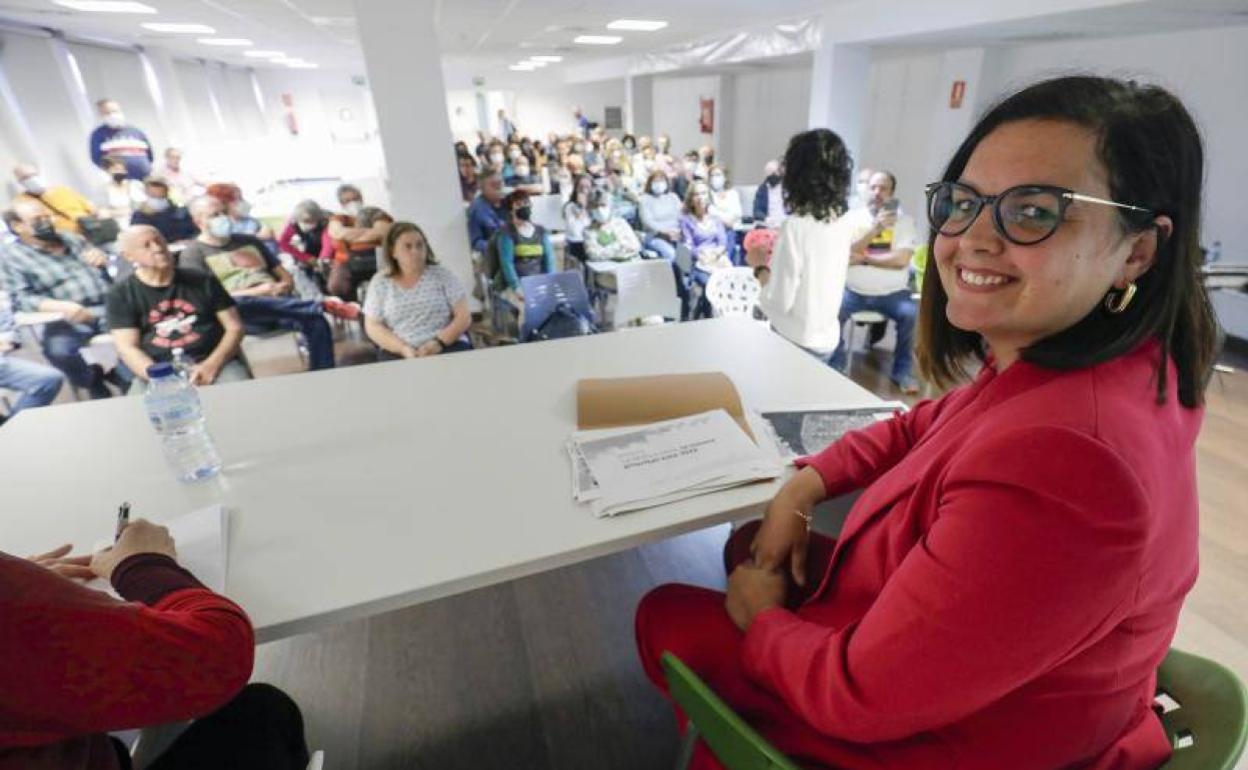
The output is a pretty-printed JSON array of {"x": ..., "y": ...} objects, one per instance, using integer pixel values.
[
  {"x": 957, "y": 94},
  {"x": 706, "y": 115}
]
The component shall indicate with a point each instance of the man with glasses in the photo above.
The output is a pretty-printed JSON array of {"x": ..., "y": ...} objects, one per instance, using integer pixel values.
[{"x": 879, "y": 278}]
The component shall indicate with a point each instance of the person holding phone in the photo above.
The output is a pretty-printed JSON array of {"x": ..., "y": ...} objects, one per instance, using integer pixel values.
[
  {"x": 879, "y": 277},
  {"x": 76, "y": 663}
]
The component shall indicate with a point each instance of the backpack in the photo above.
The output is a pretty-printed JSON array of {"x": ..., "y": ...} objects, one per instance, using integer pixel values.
[{"x": 563, "y": 322}]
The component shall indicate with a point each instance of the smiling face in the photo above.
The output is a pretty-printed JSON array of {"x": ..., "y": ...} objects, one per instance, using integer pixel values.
[{"x": 1016, "y": 295}]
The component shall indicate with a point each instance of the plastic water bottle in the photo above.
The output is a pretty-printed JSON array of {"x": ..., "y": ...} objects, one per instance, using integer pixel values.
[
  {"x": 180, "y": 363},
  {"x": 174, "y": 411}
]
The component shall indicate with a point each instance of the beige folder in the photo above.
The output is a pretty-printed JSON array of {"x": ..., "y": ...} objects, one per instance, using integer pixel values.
[{"x": 622, "y": 401}]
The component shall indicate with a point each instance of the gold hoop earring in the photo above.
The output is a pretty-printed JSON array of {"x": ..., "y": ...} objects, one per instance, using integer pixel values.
[{"x": 1117, "y": 304}]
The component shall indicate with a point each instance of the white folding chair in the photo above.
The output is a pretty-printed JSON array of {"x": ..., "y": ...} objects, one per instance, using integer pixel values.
[
  {"x": 318, "y": 761},
  {"x": 548, "y": 212},
  {"x": 863, "y": 319},
  {"x": 733, "y": 292},
  {"x": 645, "y": 290}
]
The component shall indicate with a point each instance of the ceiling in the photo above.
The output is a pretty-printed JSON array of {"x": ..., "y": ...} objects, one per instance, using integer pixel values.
[{"x": 497, "y": 32}]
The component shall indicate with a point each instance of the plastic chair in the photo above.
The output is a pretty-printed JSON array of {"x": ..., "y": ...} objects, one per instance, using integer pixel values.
[
  {"x": 733, "y": 292},
  {"x": 645, "y": 289},
  {"x": 1204, "y": 710},
  {"x": 863, "y": 319},
  {"x": 734, "y": 743},
  {"x": 746, "y": 193},
  {"x": 317, "y": 762},
  {"x": 548, "y": 212},
  {"x": 543, "y": 293}
]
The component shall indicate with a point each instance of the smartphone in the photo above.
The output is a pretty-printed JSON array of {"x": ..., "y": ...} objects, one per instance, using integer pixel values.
[{"x": 891, "y": 205}]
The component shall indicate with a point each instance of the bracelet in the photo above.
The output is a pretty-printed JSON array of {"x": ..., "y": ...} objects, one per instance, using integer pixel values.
[{"x": 809, "y": 518}]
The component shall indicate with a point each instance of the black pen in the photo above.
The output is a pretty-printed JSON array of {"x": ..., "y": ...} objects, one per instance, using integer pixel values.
[{"x": 123, "y": 518}]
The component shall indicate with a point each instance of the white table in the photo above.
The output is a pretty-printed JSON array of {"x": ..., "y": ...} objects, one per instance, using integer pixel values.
[{"x": 362, "y": 490}]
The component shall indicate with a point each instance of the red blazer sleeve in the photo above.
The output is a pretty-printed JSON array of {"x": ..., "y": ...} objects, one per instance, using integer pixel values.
[
  {"x": 75, "y": 661},
  {"x": 1035, "y": 554},
  {"x": 285, "y": 243},
  {"x": 862, "y": 456}
]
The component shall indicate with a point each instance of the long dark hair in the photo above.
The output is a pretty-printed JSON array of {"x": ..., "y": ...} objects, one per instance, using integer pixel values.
[
  {"x": 817, "y": 170},
  {"x": 1154, "y": 157}
]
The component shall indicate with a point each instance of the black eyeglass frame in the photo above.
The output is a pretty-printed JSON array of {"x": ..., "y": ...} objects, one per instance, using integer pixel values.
[{"x": 1065, "y": 197}]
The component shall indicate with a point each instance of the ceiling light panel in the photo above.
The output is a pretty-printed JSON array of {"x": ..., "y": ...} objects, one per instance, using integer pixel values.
[
  {"x": 105, "y": 6},
  {"x": 179, "y": 29},
  {"x": 636, "y": 25},
  {"x": 598, "y": 39},
  {"x": 235, "y": 42},
  {"x": 264, "y": 54},
  {"x": 546, "y": 59}
]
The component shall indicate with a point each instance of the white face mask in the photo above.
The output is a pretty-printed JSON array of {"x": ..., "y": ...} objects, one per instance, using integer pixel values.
[
  {"x": 219, "y": 226},
  {"x": 34, "y": 185},
  {"x": 717, "y": 182},
  {"x": 114, "y": 119},
  {"x": 601, "y": 214},
  {"x": 659, "y": 188},
  {"x": 243, "y": 208},
  {"x": 158, "y": 204},
  {"x": 496, "y": 158},
  {"x": 522, "y": 170},
  {"x": 352, "y": 208}
]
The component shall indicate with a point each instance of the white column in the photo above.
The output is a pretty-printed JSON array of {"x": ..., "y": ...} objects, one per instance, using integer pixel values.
[
  {"x": 838, "y": 91},
  {"x": 405, "y": 73},
  {"x": 177, "y": 112}
]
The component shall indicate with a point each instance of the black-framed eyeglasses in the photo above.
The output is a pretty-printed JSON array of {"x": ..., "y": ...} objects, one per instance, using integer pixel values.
[{"x": 1024, "y": 215}]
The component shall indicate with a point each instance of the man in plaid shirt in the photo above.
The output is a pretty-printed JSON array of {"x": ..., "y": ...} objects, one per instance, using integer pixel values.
[{"x": 47, "y": 271}]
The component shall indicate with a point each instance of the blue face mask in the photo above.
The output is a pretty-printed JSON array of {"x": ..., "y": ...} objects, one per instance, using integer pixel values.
[
  {"x": 219, "y": 226},
  {"x": 601, "y": 214}
]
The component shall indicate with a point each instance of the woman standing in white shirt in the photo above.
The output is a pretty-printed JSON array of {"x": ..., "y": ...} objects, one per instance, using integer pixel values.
[{"x": 803, "y": 286}]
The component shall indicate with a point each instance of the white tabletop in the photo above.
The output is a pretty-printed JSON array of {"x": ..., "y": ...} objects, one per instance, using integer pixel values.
[{"x": 361, "y": 490}]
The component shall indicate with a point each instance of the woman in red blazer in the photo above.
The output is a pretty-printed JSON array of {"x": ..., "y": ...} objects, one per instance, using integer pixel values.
[
  {"x": 1007, "y": 584},
  {"x": 75, "y": 663}
]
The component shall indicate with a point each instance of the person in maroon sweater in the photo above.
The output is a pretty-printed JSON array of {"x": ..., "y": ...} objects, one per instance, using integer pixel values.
[
  {"x": 1007, "y": 584},
  {"x": 76, "y": 663}
]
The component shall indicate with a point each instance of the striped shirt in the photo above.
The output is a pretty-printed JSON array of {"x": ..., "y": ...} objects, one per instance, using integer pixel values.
[{"x": 32, "y": 275}]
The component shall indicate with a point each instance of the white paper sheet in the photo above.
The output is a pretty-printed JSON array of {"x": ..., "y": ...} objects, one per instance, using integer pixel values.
[{"x": 202, "y": 542}]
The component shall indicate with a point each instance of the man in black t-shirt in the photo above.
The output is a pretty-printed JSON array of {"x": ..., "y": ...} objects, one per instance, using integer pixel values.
[{"x": 160, "y": 308}]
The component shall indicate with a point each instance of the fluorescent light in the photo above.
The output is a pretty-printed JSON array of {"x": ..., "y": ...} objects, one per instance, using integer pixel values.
[
  {"x": 537, "y": 64},
  {"x": 264, "y": 54},
  {"x": 546, "y": 59},
  {"x": 597, "y": 39},
  {"x": 179, "y": 29},
  {"x": 302, "y": 65},
  {"x": 225, "y": 41},
  {"x": 636, "y": 25},
  {"x": 524, "y": 66},
  {"x": 106, "y": 6}
]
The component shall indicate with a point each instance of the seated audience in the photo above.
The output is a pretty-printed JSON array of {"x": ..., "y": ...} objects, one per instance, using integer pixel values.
[
  {"x": 523, "y": 248},
  {"x": 346, "y": 276},
  {"x": 184, "y": 185},
  {"x": 486, "y": 214},
  {"x": 239, "y": 211},
  {"x": 802, "y": 287},
  {"x": 725, "y": 203},
  {"x": 259, "y": 284},
  {"x": 708, "y": 241},
  {"x": 576, "y": 217},
  {"x": 173, "y": 222},
  {"x": 1012, "y": 576},
  {"x": 35, "y": 383},
  {"x": 305, "y": 239},
  {"x": 122, "y": 195},
  {"x": 706, "y": 159},
  {"x": 660, "y": 212},
  {"x": 467, "y": 176},
  {"x": 770, "y": 207},
  {"x": 496, "y": 156},
  {"x": 609, "y": 238},
  {"x": 684, "y": 174},
  {"x": 67, "y": 205},
  {"x": 415, "y": 306},
  {"x": 80, "y": 664},
  {"x": 884, "y": 240},
  {"x": 52, "y": 272},
  {"x": 523, "y": 178},
  {"x": 161, "y": 308}
]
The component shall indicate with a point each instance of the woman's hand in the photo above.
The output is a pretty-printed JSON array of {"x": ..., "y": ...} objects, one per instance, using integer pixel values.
[
  {"x": 752, "y": 589},
  {"x": 77, "y": 567},
  {"x": 139, "y": 536},
  {"x": 409, "y": 352},
  {"x": 429, "y": 348},
  {"x": 784, "y": 535}
]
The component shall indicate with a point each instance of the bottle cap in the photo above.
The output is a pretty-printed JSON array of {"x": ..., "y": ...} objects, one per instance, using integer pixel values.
[{"x": 157, "y": 371}]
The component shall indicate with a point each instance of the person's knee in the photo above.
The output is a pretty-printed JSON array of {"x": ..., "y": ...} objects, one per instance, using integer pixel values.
[
  {"x": 737, "y": 547},
  {"x": 50, "y": 383},
  {"x": 260, "y": 702}
]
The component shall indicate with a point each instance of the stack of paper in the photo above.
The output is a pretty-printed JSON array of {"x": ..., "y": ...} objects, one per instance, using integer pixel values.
[{"x": 626, "y": 469}]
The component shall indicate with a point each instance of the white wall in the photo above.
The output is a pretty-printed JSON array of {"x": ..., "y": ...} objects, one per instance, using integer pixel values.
[
  {"x": 544, "y": 108},
  {"x": 769, "y": 106},
  {"x": 1202, "y": 68},
  {"x": 676, "y": 109}
]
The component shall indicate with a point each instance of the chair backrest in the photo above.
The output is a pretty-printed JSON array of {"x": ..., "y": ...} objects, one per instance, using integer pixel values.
[
  {"x": 734, "y": 743},
  {"x": 543, "y": 293},
  {"x": 733, "y": 292},
  {"x": 548, "y": 212},
  {"x": 1209, "y": 724},
  {"x": 746, "y": 193},
  {"x": 643, "y": 289},
  {"x": 317, "y": 762}
]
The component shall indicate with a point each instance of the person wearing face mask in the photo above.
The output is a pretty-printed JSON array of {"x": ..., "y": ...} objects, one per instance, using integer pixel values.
[
  {"x": 609, "y": 238},
  {"x": 114, "y": 138},
  {"x": 173, "y": 222},
  {"x": 487, "y": 213},
  {"x": 725, "y": 203},
  {"x": 522, "y": 176},
  {"x": 576, "y": 216},
  {"x": 66, "y": 204},
  {"x": 50, "y": 272},
  {"x": 122, "y": 195},
  {"x": 496, "y": 156},
  {"x": 350, "y": 239},
  {"x": 184, "y": 183},
  {"x": 304, "y": 238},
  {"x": 660, "y": 211},
  {"x": 239, "y": 211},
  {"x": 769, "y": 205},
  {"x": 259, "y": 284},
  {"x": 707, "y": 240},
  {"x": 524, "y": 249}
]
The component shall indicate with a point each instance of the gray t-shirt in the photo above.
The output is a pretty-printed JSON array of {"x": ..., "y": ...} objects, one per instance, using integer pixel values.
[{"x": 414, "y": 314}]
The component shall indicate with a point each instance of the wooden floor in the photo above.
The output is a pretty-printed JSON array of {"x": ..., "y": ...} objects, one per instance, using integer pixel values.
[{"x": 542, "y": 672}]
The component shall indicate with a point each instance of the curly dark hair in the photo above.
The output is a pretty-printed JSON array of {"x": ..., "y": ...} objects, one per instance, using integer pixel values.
[{"x": 817, "y": 171}]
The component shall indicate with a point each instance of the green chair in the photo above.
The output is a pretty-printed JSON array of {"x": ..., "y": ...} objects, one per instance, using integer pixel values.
[
  {"x": 1205, "y": 712},
  {"x": 1204, "y": 705},
  {"x": 735, "y": 744}
]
